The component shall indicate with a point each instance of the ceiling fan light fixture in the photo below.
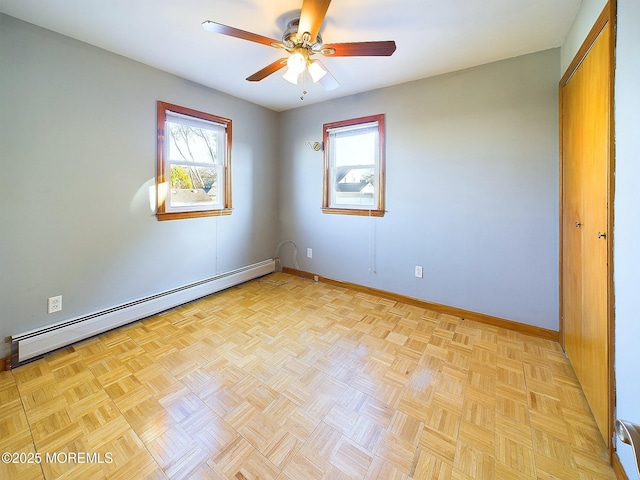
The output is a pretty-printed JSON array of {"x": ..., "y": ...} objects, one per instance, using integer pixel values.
[
  {"x": 291, "y": 76},
  {"x": 316, "y": 71},
  {"x": 297, "y": 63}
]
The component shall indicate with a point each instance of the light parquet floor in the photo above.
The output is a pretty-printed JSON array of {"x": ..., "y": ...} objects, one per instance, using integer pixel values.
[{"x": 301, "y": 381}]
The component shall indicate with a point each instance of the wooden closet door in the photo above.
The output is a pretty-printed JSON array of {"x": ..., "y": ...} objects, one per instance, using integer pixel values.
[
  {"x": 585, "y": 179},
  {"x": 573, "y": 148},
  {"x": 595, "y": 233}
]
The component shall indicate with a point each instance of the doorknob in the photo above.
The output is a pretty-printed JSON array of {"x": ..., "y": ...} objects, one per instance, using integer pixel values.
[
  {"x": 602, "y": 235},
  {"x": 578, "y": 224}
]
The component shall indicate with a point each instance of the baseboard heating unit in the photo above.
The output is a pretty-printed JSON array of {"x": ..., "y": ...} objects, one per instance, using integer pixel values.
[{"x": 34, "y": 343}]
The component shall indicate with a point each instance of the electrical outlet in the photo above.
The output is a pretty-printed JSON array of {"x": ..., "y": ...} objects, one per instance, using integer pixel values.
[
  {"x": 54, "y": 304},
  {"x": 309, "y": 253},
  {"x": 418, "y": 271}
]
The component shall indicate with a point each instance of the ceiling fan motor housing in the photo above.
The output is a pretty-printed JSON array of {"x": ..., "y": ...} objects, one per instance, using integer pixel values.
[{"x": 291, "y": 39}]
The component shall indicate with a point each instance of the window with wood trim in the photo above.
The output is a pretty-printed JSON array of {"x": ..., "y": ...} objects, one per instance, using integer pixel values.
[
  {"x": 194, "y": 163},
  {"x": 354, "y": 169}
]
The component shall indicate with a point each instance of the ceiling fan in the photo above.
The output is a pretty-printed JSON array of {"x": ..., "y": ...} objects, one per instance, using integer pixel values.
[{"x": 302, "y": 40}]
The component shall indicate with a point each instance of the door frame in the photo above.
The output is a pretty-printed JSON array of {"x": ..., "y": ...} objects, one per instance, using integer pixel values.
[{"x": 608, "y": 16}]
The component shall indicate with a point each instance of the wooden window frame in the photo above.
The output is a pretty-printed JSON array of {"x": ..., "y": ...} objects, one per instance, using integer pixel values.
[
  {"x": 379, "y": 208},
  {"x": 163, "y": 173}
]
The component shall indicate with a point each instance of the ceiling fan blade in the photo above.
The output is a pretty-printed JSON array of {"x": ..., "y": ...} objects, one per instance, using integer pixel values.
[
  {"x": 268, "y": 70},
  {"x": 312, "y": 16},
  {"x": 328, "y": 81},
  {"x": 214, "y": 27},
  {"x": 360, "y": 49}
]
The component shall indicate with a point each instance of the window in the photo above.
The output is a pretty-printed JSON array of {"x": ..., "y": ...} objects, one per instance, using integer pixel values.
[
  {"x": 194, "y": 163},
  {"x": 354, "y": 166}
]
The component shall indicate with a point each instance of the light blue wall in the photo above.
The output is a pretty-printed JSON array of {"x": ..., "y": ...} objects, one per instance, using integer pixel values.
[
  {"x": 78, "y": 155},
  {"x": 589, "y": 11},
  {"x": 626, "y": 251},
  {"x": 472, "y": 191}
]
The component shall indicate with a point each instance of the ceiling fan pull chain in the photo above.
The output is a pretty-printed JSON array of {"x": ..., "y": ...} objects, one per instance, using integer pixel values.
[{"x": 304, "y": 91}]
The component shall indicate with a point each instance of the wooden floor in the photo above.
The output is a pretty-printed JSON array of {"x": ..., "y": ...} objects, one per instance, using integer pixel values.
[{"x": 300, "y": 381}]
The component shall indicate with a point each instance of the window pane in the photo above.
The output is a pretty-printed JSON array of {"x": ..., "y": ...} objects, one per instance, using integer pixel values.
[
  {"x": 194, "y": 186},
  {"x": 353, "y": 169},
  {"x": 354, "y": 186},
  {"x": 359, "y": 149},
  {"x": 188, "y": 143}
]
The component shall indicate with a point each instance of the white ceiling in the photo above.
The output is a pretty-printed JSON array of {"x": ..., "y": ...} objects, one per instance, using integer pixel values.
[{"x": 432, "y": 37}]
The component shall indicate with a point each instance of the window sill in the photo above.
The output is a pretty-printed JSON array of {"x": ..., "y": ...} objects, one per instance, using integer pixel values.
[
  {"x": 354, "y": 211},
  {"x": 196, "y": 214}
]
